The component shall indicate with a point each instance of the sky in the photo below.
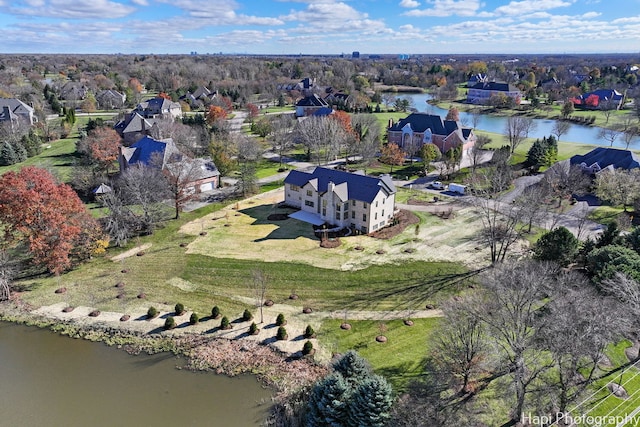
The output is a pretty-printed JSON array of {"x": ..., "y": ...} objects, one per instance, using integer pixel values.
[{"x": 320, "y": 26}]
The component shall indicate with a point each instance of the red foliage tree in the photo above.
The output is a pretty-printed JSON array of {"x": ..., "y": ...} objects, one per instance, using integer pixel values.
[
  {"x": 592, "y": 100},
  {"x": 253, "y": 111},
  {"x": 164, "y": 95},
  {"x": 48, "y": 216},
  {"x": 103, "y": 144},
  {"x": 135, "y": 85},
  {"x": 344, "y": 119},
  {"x": 453, "y": 114}
]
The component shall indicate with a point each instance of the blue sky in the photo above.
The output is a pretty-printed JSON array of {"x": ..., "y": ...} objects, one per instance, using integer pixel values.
[{"x": 320, "y": 26}]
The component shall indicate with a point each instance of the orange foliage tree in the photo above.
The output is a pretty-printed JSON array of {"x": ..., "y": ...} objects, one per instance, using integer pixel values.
[
  {"x": 215, "y": 113},
  {"x": 344, "y": 119},
  {"x": 392, "y": 155},
  {"x": 49, "y": 217},
  {"x": 164, "y": 95}
]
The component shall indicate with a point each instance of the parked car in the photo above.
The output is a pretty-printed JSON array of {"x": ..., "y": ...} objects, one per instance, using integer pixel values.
[
  {"x": 437, "y": 185},
  {"x": 458, "y": 188}
]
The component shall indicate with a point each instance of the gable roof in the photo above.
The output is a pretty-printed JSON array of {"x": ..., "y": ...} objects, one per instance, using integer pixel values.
[
  {"x": 494, "y": 86},
  {"x": 608, "y": 158},
  {"x": 420, "y": 122},
  {"x": 348, "y": 186},
  {"x": 312, "y": 101},
  {"x": 147, "y": 150}
]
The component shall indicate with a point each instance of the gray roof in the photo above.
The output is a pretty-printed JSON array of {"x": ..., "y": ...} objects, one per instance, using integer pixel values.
[
  {"x": 497, "y": 86},
  {"x": 420, "y": 122},
  {"x": 348, "y": 186},
  {"x": 312, "y": 101},
  {"x": 608, "y": 157}
]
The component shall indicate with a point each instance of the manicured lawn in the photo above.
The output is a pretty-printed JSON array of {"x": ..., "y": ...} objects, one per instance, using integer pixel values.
[
  {"x": 400, "y": 359},
  {"x": 605, "y": 214}
]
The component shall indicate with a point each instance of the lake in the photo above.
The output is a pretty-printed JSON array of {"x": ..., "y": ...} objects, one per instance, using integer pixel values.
[
  {"x": 52, "y": 380},
  {"x": 544, "y": 127}
]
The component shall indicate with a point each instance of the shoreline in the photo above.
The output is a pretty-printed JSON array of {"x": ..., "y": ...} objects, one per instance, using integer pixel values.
[{"x": 284, "y": 374}]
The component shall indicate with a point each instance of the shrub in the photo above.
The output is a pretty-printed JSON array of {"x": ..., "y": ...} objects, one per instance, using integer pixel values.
[
  {"x": 307, "y": 348},
  {"x": 253, "y": 329},
  {"x": 215, "y": 312},
  {"x": 169, "y": 323},
  {"x": 179, "y": 309},
  {"x": 280, "y": 320},
  {"x": 224, "y": 323},
  {"x": 281, "y": 334},
  {"x": 247, "y": 315},
  {"x": 152, "y": 312},
  {"x": 194, "y": 319},
  {"x": 309, "y": 332}
]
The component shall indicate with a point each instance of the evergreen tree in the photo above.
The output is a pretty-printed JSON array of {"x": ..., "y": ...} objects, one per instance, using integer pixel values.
[
  {"x": 551, "y": 149},
  {"x": 536, "y": 156},
  {"x": 327, "y": 402},
  {"x": 21, "y": 152},
  {"x": 352, "y": 367},
  {"x": 558, "y": 245},
  {"x": 7, "y": 155},
  {"x": 370, "y": 403}
]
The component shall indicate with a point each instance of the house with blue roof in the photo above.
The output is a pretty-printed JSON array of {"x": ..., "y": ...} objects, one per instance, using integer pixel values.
[
  {"x": 342, "y": 199},
  {"x": 605, "y": 158},
  {"x": 418, "y": 129}
]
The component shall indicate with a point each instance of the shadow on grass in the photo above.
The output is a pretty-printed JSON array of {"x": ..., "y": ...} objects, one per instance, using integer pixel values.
[
  {"x": 287, "y": 229},
  {"x": 409, "y": 292}
]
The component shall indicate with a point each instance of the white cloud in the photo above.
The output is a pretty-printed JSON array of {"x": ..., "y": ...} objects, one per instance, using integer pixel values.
[
  {"x": 447, "y": 8},
  {"x": 73, "y": 9},
  {"x": 221, "y": 12},
  {"x": 517, "y": 8},
  {"x": 409, "y": 3},
  {"x": 140, "y": 2}
]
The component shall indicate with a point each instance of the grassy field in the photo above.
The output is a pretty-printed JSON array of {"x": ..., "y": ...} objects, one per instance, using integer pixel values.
[{"x": 407, "y": 344}]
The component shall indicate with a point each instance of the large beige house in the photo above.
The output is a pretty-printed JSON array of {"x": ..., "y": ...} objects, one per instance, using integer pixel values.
[{"x": 341, "y": 199}]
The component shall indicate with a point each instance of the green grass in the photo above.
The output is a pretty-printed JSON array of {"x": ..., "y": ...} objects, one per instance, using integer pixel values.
[
  {"x": 605, "y": 214},
  {"x": 400, "y": 359},
  {"x": 59, "y": 157}
]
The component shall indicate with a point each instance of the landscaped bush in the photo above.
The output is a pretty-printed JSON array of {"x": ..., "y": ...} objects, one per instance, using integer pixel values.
[
  {"x": 246, "y": 316},
  {"x": 194, "y": 319},
  {"x": 307, "y": 348},
  {"x": 152, "y": 312},
  {"x": 281, "y": 334},
  {"x": 309, "y": 332},
  {"x": 215, "y": 312},
  {"x": 179, "y": 309},
  {"x": 280, "y": 321},
  {"x": 253, "y": 329},
  {"x": 224, "y": 323},
  {"x": 169, "y": 323}
]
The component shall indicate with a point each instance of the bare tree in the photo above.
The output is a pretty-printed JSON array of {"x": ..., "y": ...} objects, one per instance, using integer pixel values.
[
  {"x": 477, "y": 151},
  {"x": 281, "y": 137},
  {"x": 630, "y": 132},
  {"x": 322, "y": 136},
  {"x": 619, "y": 186},
  {"x": 531, "y": 204},
  {"x": 581, "y": 325},
  {"x": 560, "y": 127},
  {"x": 249, "y": 152},
  {"x": 517, "y": 130},
  {"x": 563, "y": 179},
  {"x": 476, "y": 115},
  {"x": 367, "y": 131},
  {"x": 120, "y": 223},
  {"x": 608, "y": 135},
  {"x": 181, "y": 176},
  {"x": 460, "y": 345},
  {"x": 259, "y": 288},
  {"x": 146, "y": 188},
  {"x": 513, "y": 297},
  {"x": 7, "y": 272}
]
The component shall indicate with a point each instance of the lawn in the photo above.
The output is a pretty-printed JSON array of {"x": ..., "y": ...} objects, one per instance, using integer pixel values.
[
  {"x": 407, "y": 344},
  {"x": 605, "y": 214}
]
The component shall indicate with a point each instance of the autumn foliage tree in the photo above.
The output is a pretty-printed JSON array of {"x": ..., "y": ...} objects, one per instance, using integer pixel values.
[
  {"x": 392, "y": 155},
  {"x": 48, "y": 217},
  {"x": 103, "y": 145},
  {"x": 215, "y": 113}
]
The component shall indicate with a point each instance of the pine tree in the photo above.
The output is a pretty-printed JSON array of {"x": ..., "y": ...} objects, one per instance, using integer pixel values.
[
  {"x": 7, "y": 155},
  {"x": 551, "y": 154},
  {"x": 328, "y": 402},
  {"x": 536, "y": 156},
  {"x": 353, "y": 368},
  {"x": 370, "y": 403},
  {"x": 21, "y": 152}
]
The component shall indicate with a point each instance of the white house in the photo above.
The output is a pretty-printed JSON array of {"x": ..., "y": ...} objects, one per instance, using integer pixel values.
[{"x": 342, "y": 199}]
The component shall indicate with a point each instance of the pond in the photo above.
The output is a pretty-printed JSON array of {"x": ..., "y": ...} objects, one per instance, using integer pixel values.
[
  {"x": 543, "y": 127},
  {"x": 48, "y": 379}
]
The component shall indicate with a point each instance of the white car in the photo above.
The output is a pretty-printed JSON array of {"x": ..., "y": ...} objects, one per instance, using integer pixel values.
[{"x": 437, "y": 185}]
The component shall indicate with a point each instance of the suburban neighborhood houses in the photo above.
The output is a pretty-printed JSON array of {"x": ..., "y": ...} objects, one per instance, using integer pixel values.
[{"x": 378, "y": 240}]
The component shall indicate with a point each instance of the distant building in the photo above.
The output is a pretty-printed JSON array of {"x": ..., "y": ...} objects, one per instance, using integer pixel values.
[
  {"x": 308, "y": 105},
  {"x": 599, "y": 99},
  {"x": 355, "y": 54},
  {"x": 342, "y": 199},
  {"x": 418, "y": 129},
  {"x": 13, "y": 111},
  {"x": 481, "y": 92}
]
